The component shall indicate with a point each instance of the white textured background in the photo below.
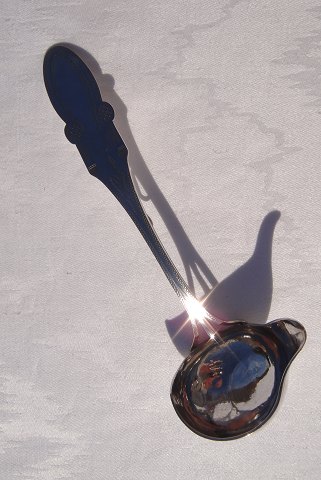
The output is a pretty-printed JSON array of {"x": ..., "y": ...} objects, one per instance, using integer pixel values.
[{"x": 223, "y": 100}]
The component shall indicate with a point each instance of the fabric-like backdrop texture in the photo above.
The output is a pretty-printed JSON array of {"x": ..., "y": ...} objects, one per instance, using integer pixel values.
[{"x": 219, "y": 103}]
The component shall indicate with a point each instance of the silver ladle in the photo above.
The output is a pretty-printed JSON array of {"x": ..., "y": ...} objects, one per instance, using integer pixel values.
[{"x": 229, "y": 384}]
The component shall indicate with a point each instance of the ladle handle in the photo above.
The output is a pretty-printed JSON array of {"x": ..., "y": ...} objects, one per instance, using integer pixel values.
[{"x": 75, "y": 95}]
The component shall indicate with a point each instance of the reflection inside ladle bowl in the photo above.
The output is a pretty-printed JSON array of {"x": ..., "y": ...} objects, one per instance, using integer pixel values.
[{"x": 230, "y": 385}]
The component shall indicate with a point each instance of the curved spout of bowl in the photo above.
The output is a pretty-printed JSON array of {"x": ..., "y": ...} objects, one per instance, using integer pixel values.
[
  {"x": 230, "y": 386},
  {"x": 291, "y": 335}
]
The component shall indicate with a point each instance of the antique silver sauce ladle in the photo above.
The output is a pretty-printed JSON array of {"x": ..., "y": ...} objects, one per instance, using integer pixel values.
[{"x": 230, "y": 383}]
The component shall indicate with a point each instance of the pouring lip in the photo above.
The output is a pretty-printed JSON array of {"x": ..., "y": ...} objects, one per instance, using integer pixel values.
[
  {"x": 273, "y": 326},
  {"x": 227, "y": 324},
  {"x": 295, "y": 331}
]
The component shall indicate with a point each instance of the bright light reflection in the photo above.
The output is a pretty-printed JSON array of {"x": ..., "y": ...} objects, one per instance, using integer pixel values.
[
  {"x": 195, "y": 310},
  {"x": 197, "y": 314}
]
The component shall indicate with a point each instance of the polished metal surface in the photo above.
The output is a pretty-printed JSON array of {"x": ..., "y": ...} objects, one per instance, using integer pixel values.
[{"x": 231, "y": 385}]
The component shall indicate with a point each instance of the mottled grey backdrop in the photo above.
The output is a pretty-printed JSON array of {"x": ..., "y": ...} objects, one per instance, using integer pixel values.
[{"x": 219, "y": 103}]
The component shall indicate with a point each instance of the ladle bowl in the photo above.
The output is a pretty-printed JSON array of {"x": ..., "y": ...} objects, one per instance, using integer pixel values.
[{"x": 231, "y": 385}]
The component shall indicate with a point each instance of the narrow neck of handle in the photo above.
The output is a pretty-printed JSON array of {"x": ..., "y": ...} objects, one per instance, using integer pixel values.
[{"x": 130, "y": 202}]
